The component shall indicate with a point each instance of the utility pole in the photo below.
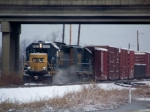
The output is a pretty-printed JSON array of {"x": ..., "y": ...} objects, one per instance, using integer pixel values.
[
  {"x": 70, "y": 34},
  {"x": 129, "y": 46},
  {"x": 138, "y": 46},
  {"x": 79, "y": 34},
  {"x": 137, "y": 40},
  {"x": 63, "y": 34}
]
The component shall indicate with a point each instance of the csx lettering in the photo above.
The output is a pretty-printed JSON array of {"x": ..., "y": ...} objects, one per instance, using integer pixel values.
[{"x": 38, "y": 60}]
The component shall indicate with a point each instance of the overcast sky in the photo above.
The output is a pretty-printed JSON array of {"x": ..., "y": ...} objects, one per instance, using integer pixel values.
[{"x": 113, "y": 35}]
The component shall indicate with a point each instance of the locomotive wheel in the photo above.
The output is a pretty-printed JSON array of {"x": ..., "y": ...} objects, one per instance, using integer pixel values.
[{"x": 47, "y": 79}]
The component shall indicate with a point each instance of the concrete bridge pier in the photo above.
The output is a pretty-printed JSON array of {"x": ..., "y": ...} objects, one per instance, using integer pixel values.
[{"x": 10, "y": 47}]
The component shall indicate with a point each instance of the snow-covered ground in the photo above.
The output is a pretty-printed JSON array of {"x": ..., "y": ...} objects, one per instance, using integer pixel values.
[
  {"x": 29, "y": 94},
  {"x": 34, "y": 93}
]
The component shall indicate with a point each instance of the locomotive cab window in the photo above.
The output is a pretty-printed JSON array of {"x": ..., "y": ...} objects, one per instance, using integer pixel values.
[{"x": 40, "y": 51}]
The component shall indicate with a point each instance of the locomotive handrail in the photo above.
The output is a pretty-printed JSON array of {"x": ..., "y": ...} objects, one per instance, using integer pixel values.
[
  {"x": 83, "y": 63},
  {"x": 65, "y": 60}
]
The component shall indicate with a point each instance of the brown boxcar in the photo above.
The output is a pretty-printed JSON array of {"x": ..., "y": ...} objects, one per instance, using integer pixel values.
[
  {"x": 99, "y": 62},
  {"x": 116, "y": 63},
  {"x": 123, "y": 57},
  {"x": 131, "y": 64},
  {"x": 147, "y": 59},
  {"x": 140, "y": 65},
  {"x": 112, "y": 61}
]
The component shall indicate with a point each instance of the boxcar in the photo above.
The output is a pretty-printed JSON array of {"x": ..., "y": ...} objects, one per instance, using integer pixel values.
[
  {"x": 140, "y": 65},
  {"x": 113, "y": 62},
  {"x": 131, "y": 64},
  {"x": 123, "y": 62},
  {"x": 99, "y": 63},
  {"x": 147, "y": 56}
]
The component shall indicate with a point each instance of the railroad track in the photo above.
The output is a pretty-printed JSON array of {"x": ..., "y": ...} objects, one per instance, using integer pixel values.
[
  {"x": 132, "y": 84},
  {"x": 124, "y": 83},
  {"x": 28, "y": 85},
  {"x": 42, "y": 85}
]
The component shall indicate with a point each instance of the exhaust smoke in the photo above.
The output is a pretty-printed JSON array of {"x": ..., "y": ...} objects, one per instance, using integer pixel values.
[{"x": 67, "y": 75}]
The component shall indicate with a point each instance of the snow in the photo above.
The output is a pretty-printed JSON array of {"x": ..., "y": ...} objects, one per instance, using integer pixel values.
[
  {"x": 35, "y": 93},
  {"x": 55, "y": 45},
  {"x": 124, "y": 49},
  {"x": 48, "y": 41},
  {"x": 28, "y": 94},
  {"x": 88, "y": 50},
  {"x": 144, "y": 99},
  {"x": 147, "y": 52},
  {"x": 140, "y": 53},
  {"x": 101, "y": 49}
]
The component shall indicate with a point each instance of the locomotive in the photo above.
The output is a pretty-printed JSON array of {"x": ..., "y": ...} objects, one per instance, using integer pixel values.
[{"x": 45, "y": 59}]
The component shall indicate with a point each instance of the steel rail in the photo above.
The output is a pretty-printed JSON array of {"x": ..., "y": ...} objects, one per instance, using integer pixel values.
[{"x": 124, "y": 83}]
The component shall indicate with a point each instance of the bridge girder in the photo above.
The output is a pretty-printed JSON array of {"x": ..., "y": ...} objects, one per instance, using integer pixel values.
[{"x": 85, "y": 14}]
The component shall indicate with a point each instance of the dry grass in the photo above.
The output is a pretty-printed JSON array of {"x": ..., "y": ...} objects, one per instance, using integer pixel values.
[
  {"x": 11, "y": 79},
  {"x": 91, "y": 96},
  {"x": 6, "y": 105},
  {"x": 143, "y": 91}
]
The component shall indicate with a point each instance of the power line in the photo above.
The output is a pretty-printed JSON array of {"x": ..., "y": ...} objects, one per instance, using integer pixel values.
[{"x": 110, "y": 35}]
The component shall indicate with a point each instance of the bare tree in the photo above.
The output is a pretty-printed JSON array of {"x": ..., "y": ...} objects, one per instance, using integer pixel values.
[
  {"x": 36, "y": 39},
  {"x": 23, "y": 45}
]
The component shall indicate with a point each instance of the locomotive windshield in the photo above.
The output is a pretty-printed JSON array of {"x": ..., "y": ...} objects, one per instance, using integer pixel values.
[
  {"x": 36, "y": 50},
  {"x": 49, "y": 48},
  {"x": 40, "y": 50}
]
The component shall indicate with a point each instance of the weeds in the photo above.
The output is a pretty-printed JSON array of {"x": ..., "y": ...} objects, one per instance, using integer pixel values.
[
  {"x": 11, "y": 79},
  {"x": 7, "y": 105},
  {"x": 143, "y": 91}
]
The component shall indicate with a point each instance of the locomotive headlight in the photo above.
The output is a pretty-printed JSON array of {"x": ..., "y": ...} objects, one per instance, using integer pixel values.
[
  {"x": 40, "y": 45},
  {"x": 29, "y": 68},
  {"x": 44, "y": 68}
]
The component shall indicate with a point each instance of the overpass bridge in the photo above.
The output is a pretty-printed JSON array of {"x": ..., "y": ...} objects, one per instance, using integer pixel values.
[{"x": 13, "y": 13}]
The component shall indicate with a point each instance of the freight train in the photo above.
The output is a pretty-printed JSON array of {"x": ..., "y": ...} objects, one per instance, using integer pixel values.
[{"x": 44, "y": 60}]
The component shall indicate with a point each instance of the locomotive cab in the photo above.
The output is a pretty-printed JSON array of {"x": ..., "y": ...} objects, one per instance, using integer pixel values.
[{"x": 41, "y": 60}]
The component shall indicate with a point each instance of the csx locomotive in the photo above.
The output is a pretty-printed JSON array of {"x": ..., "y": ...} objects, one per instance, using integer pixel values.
[{"x": 45, "y": 59}]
